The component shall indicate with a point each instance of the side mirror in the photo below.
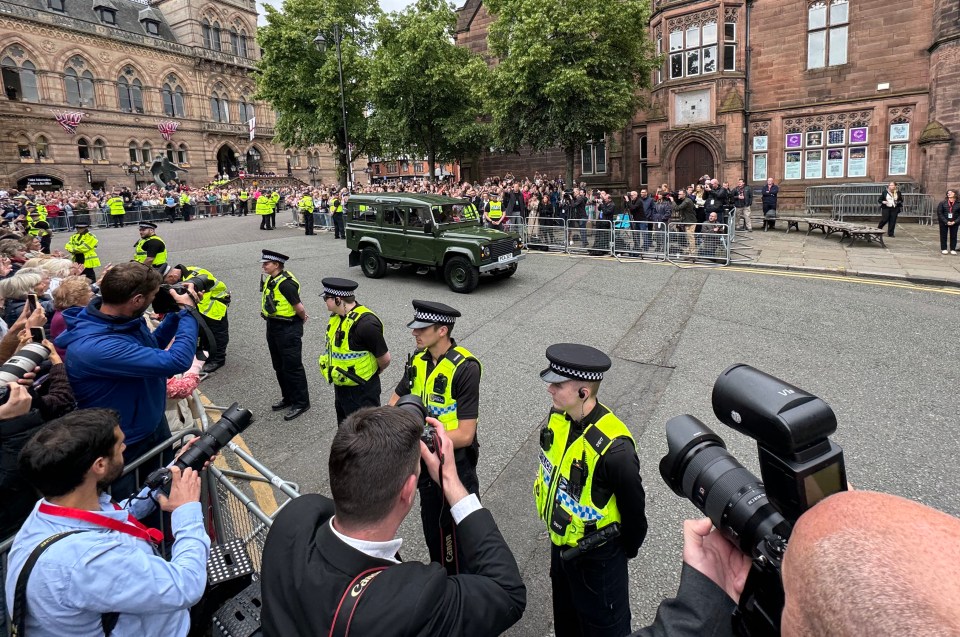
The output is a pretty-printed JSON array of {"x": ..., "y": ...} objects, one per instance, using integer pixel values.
[{"x": 428, "y": 227}]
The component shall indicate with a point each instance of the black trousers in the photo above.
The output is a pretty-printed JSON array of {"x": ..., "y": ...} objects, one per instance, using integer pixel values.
[
  {"x": 284, "y": 340},
  {"x": 349, "y": 399},
  {"x": 952, "y": 231},
  {"x": 591, "y": 594},
  {"x": 243, "y": 208},
  {"x": 264, "y": 222},
  {"x": 308, "y": 222},
  {"x": 116, "y": 221},
  {"x": 889, "y": 215},
  {"x": 439, "y": 531},
  {"x": 90, "y": 274},
  {"x": 338, "y": 231},
  {"x": 272, "y": 218},
  {"x": 171, "y": 214},
  {"x": 221, "y": 336},
  {"x": 769, "y": 222}
]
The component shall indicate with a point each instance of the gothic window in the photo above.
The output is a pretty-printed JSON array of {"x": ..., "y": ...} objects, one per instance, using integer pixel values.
[
  {"x": 182, "y": 154},
  {"x": 99, "y": 150},
  {"x": 170, "y": 153},
  {"x": 24, "y": 151},
  {"x": 242, "y": 51},
  {"x": 130, "y": 93},
  {"x": 134, "y": 152},
  {"x": 827, "y": 25},
  {"x": 43, "y": 150},
  {"x": 79, "y": 85},
  {"x": 215, "y": 37},
  {"x": 172, "y": 94},
  {"x": 83, "y": 149},
  {"x": 207, "y": 34},
  {"x": 19, "y": 80},
  {"x": 234, "y": 41},
  {"x": 146, "y": 153}
]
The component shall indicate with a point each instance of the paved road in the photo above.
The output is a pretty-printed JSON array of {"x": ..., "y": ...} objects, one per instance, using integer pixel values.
[{"x": 884, "y": 357}]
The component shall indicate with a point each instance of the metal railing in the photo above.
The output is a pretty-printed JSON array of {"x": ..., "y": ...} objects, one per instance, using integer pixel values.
[
  {"x": 818, "y": 200},
  {"x": 918, "y": 206},
  {"x": 102, "y": 218}
]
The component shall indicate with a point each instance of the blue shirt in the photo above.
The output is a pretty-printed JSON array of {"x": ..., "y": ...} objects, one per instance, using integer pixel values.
[{"x": 80, "y": 577}]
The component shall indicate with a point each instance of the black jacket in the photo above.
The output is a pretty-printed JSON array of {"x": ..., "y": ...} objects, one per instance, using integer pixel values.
[
  {"x": 747, "y": 197},
  {"x": 700, "y": 609},
  {"x": 897, "y": 202},
  {"x": 17, "y": 496},
  {"x": 307, "y": 569},
  {"x": 943, "y": 209}
]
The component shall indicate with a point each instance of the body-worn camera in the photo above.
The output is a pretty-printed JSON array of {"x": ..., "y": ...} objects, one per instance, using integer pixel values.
[
  {"x": 233, "y": 421},
  {"x": 798, "y": 463},
  {"x": 414, "y": 405},
  {"x": 163, "y": 303}
]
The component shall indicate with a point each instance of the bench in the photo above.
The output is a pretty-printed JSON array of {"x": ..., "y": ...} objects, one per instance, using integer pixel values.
[{"x": 828, "y": 226}]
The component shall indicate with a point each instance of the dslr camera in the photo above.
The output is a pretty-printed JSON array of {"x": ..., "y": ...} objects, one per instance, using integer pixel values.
[
  {"x": 414, "y": 405},
  {"x": 799, "y": 466},
  {"x": 163, "y": 303}
]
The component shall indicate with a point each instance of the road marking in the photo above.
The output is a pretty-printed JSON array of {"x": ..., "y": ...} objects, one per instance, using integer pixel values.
[
  {"x": 845, "y": 278},
  {"x": 262, "y": 491}
]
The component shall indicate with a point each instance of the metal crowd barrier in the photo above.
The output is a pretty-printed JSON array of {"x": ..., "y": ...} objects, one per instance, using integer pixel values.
[
  {"x": 545, "y": 233},
  {"x": 818, "y": 200},
  {"x": 156, "y": 214},
  {"x": 918, "y": 206}
]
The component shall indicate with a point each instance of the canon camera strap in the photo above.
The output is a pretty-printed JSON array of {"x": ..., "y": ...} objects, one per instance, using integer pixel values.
[
  {"x": 19, "y": 619},
  {"x": 340, "y": 627}
]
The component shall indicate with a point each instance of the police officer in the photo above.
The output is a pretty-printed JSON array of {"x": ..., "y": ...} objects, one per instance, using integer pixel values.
[
  {"x": 446, "y": 377},
  {"x": 266, "y": 208},
  {"x": 493, "y": 211},
  {"x": 150, "y": 249},
  {"x": 243, "y": 197},
  {"x": 281, "y": 307},
  {"x": 590, "y": 497},
  {"x": 336, "y": 213},
  {"x": 38, "y": 227},
  {"x": 306, "y": 207},
  {"x": 213, "y": 304},
  {"x": 83, "y": 246},
  {"x": 117, "y": 211},
  {"x": 355, "y": 351}
]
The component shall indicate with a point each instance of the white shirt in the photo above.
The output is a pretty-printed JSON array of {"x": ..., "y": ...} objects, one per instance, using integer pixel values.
[{"x": 388, "y": 550}]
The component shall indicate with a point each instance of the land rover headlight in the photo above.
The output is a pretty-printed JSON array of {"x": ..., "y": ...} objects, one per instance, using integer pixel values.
[{"x": 484, "y": 252}]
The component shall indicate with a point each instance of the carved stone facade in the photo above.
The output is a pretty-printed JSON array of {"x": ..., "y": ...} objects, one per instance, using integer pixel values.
[
  {"x": 138, "y": 73},
  {"x": 741, "y": 84}
]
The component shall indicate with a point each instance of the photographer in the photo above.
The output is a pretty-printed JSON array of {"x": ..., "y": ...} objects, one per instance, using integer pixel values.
[
  {"x": 213, "y": 305},
  {"x": 102, "y": 575},
  {"x": 114, "y": 361},
  {"x": 318, "y": 550},
  {"x": 858, "y": 563}
]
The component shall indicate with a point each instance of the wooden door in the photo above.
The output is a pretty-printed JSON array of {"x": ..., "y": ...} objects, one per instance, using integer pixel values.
[{"x": 693, "y": 162}]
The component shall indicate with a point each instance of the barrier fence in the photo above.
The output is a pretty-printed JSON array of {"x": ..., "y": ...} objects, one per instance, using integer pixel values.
[
  {"x": 918, "y": 206},
  {"x": 657, "y": 241},
  {"x": 818, "y": 200},
  {"x": 155, "y": 214}
]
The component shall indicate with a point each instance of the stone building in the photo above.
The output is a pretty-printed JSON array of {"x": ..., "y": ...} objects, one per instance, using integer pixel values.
[
  {"x": 171, "y": 77},
  {"x": 809, "y": 92}
]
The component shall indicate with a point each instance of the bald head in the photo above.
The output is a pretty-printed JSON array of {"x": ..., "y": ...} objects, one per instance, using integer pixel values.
[{"x": 862, "y": 563}]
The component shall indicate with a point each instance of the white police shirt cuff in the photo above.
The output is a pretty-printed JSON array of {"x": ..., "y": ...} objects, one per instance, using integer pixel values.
[{"x": 465, "y": 507}]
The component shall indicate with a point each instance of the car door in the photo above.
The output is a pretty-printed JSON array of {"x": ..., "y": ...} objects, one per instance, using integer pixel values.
[
  {"x": 421, "y": 245},
  {"x": 392, "y": 242}
]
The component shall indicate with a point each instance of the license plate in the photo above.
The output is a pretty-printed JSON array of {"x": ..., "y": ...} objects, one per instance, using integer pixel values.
[{"x": 505, "y": 257}]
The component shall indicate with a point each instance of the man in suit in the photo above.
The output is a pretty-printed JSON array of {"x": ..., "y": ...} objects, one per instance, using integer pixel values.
[{"x": 320, "y": 550}]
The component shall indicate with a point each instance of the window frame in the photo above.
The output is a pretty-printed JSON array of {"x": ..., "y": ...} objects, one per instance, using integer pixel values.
[
  {"x": 692, "y": 53},
  {"x": 107, "y": 16},
  {"x": 826, "y": 33},
  {"x": 83, "y": 149}
]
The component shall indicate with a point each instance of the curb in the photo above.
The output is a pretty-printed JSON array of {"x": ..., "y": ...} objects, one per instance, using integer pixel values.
[{"x": 942, "y": 283}]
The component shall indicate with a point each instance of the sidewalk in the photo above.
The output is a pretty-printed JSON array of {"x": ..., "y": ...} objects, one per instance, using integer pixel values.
[{"x": 912, "y": 255}]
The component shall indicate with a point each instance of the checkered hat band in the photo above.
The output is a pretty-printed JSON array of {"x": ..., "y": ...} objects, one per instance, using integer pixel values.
[
  {"x": 430, "y": 317},
  {"x": 576, "y": 373},
  {"x": 332, "y": 292}
]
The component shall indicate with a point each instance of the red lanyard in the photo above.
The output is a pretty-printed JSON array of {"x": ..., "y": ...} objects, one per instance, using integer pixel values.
[{"x": 132, "y": 526}]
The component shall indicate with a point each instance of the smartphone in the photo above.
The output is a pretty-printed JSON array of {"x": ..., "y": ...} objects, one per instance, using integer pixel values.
[
  {"x": 37, "y": 335},
  {"x": 32, "y": 302}
]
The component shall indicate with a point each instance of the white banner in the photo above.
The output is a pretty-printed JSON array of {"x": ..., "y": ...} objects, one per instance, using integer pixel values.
[{"x": 252, "y": 126}]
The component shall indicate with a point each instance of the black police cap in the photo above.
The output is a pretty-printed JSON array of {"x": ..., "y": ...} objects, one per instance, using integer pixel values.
[
  {"x": 570, "y": 361},
  {"x": 270, "y": 255},
  {"x": 427, "y": 313},
  {"x": 333, "y": 286}
]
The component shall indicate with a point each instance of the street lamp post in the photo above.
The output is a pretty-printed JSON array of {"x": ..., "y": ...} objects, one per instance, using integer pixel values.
[
  {"x": 130, "y": 169},
  {"x": 313, "y": 176},
  {"x": 321, "y": 44}
]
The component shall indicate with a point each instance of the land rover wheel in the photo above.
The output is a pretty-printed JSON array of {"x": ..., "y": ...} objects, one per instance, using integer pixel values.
[
  {"x": 372, "y": 264},
  {"x": 461, "y": 275}
]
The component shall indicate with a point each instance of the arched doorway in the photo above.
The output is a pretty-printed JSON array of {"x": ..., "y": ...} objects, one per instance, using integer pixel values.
[
  {"x": 253, "y": 161},
  {"x": 227, "y": 161},
  {"x": 693, "y": 162}
]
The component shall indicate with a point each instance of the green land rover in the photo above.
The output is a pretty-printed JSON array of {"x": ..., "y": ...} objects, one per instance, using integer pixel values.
[{"x": 395, "y": 229}]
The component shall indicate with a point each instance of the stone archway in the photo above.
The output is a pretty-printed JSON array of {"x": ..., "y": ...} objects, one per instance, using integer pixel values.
[
  {"x": 227, "y": 161},
  {"x": 693, "y": 161}
]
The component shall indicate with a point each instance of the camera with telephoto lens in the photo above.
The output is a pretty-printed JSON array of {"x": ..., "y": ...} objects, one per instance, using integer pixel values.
[
  {"x": 19, "y": 365},
  {"x": 414, "y": 405},
  {"x": 798, "y": 463},
  {"x": 163, "y": 303},
  {"x": 233, "y": 421}
]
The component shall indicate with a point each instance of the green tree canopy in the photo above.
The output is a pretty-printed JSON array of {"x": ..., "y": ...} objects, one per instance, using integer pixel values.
[
  {"x": 302, "y": 83},
  {"x": 568, "y": 71},
  {"x": 427, "y": 92}
]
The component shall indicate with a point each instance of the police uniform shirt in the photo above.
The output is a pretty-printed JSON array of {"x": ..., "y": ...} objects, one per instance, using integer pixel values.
[
  {"x": 465, "y": 386},
  {"x": 618, "y": 473},
  {"x": 153, "y": 246}
]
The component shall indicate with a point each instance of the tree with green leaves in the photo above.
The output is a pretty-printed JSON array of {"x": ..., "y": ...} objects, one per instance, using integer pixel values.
[
  {"x": 302, "y": 83},
  {"x": 426, "y": 92},
  {"x": 568, "y": 70}
]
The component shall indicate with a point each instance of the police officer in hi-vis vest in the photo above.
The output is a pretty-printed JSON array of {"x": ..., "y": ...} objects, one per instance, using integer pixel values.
[
  {"x": 281, "y": 307},
  {"x": 446, "y": 377},
  {"x": 150, "y": 249},
  {"x": 243, "y": 197},
  {"x": 83, "y": 246},
  {"x": 306, "y": 209},
  {"x": 355, "y": 351},
  {"x": 590, "y": 497},
  {"x": 213, "y": 305}
]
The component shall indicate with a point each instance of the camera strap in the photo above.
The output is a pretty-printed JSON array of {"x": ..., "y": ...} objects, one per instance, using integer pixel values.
[
  {"x": 132, "y": 526},
  {"x": 340, "y": 627},
  {"x": 207, "y": 340},
  {"x": 19, "y": 616}
]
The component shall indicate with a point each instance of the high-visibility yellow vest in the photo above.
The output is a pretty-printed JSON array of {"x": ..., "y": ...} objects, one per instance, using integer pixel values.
[
  {"x": 265, "y": 204},
  {"x": 141, "y": 254},
  {"x": 553, "y": 478},
  {"x": 116, "y": 205},
  {"x": 306, "y": 204},
  {"x": 281, "y": 306},
  {"x": 211, "y": 304},
  {"x": 496, "y": 210},
  {"x": 244, "y": 195},
  {"x": 86, "y": 245},
  {"x": 440, "y": 404},
  {"x": 338, "y": 354}
]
